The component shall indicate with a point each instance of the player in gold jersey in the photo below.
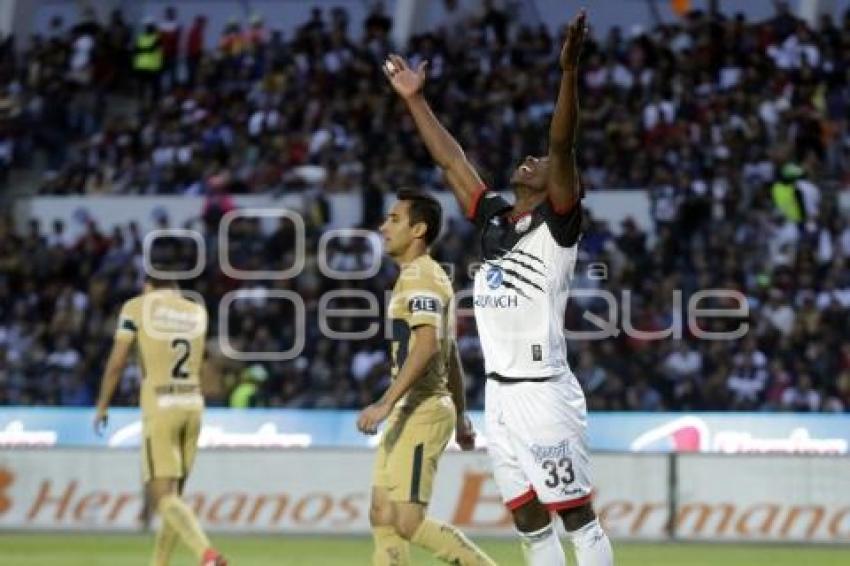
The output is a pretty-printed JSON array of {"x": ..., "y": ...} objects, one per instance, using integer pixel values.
[
  {"x": 169, "y": 333},
  {"x": 425, "y": 402}
]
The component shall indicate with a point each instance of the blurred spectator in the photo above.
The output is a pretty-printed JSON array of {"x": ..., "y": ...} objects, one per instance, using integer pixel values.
[
  {"x": 683, "y": 369},
  {"x": 195, "y": 48},
  {"x": 746, "y": 382},
  {"x": 377, "y": 24},
  {"x": 170, "y": 31},
  {"x": 148, "y": 62},
  {"x": 246, "y": 393},
  {"x": 778, "y": 316},
  {"x": 801, "y": 397},
  {"x": 642, "y": 397}
]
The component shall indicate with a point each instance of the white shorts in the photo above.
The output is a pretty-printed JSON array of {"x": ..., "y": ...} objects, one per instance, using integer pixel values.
[{"x": 536, "y": 437}]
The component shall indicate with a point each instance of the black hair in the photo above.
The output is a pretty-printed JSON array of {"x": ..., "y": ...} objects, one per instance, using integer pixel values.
[
  {"x": 423, "y": 208},
  {"x": 159, "y": 283}
]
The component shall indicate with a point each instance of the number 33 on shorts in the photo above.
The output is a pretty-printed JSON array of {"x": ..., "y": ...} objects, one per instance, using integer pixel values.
[{"x": 560, "y": 472}]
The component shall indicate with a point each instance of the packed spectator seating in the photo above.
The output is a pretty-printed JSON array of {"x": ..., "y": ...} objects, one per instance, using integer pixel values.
[
  {"x": 739, "y": 131},
  {"x": 703, "y": 94}
]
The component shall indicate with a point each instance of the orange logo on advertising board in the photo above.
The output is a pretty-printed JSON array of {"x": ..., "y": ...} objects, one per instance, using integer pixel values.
[
  {"x": 73, "y": 502},
  {"x": 7, "y": 478}
]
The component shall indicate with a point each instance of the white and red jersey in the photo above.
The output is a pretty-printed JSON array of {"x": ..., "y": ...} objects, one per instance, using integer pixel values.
[{"x": 521, "y": 288}]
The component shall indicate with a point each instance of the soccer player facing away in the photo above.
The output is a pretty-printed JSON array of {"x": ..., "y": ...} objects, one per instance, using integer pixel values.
[
  {"x": 535, "y": 410},
  {"x": 425, "y": 402},
  {"x": 169, "y": 332}
]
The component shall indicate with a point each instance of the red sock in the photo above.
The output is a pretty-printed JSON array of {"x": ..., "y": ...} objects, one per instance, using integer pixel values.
[{"x": 210, "y": 556}]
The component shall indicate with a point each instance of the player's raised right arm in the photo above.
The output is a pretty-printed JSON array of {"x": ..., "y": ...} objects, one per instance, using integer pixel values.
[{"x": 460, "y": 174}]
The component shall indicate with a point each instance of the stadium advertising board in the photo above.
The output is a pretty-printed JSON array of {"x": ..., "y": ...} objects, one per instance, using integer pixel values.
[
  {"x": 729, "y": 498},
  {"x": 730, "y": 433}
]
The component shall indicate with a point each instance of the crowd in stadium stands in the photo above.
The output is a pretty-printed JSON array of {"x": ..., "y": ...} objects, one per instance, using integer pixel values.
[{"x": 738, "y": 129}]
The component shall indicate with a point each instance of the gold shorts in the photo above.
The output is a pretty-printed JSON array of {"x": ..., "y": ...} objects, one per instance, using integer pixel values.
[
  {"x": 410, "y": 448},
  {"x": 169, "y": 443}
]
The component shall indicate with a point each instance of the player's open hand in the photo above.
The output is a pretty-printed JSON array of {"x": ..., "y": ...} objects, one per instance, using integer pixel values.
[
  {"x": 575, "y": 37},
  {"x": 405, "y": 80},
  {"x": 371, "y": 417},
  {"x": 465, "y": 434},
  {"x": 101, "y": 419}
]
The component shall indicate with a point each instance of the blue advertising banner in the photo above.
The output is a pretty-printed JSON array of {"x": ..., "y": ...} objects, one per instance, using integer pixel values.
[{"x": 734, "y": 433}]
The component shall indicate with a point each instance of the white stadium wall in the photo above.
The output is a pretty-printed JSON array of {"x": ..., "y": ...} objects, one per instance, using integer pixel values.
[{"x": 730, "y": 498}]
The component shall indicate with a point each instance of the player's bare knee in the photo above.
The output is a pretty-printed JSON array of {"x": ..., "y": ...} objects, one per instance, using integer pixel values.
[
  {"x": 531, "y": 517},
  {"x": 576, "y": 518}
]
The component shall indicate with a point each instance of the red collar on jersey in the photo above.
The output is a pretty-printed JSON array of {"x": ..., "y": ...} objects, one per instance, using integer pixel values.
[{"x": 514, "y": 218}]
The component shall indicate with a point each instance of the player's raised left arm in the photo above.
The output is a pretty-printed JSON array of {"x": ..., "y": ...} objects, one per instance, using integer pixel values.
[
  {"x": 425, "y": 347},
  {"x": 563, "y": 183},
  {"x": 111, "y": 376}
]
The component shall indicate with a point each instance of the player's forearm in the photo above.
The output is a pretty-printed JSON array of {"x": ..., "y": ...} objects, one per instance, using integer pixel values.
[
  {"x": 414, "y": 368},
  {"x": 111, "y": 377},
  {"x": 564, "y": 125},
  {"x": 456, "y": 384},
  {"x": 440, "y": 143}
]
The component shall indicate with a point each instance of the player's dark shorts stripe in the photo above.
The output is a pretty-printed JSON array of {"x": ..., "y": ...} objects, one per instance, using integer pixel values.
[
  {"x": 401, "y": 335},
  {"x": 416, "y": 478},
  {"x": 149, "y": 455},
  {"x": 182, "y": 440},
  {"x": 523, "y": 264},
  {"x": 141, "y": 358}
]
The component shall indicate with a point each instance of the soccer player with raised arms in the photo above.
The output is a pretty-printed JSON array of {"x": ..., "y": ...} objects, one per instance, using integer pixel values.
[
  {"x": 535, "y": 410},
  {"x": 169, "y": 333},
  {"x": 425, "y": 402}
]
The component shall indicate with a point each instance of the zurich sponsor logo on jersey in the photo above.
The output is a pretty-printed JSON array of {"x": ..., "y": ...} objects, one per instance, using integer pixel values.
[
  {"x": 495, "y": 277},
  {"x": 496, "y": 301}
]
